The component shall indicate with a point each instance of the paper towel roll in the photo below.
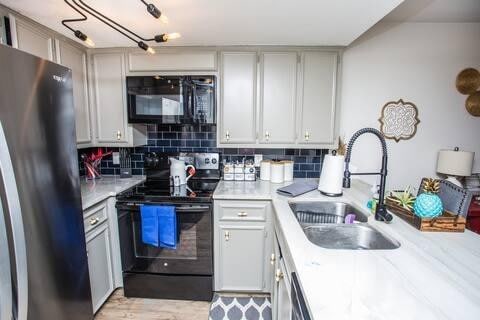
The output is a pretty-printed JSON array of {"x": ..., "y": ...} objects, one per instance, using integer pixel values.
[{"x": 331, "y": 177}]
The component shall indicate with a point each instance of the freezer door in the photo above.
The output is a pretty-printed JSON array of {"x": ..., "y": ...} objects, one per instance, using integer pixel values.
[{"x": 37, "y": 115}]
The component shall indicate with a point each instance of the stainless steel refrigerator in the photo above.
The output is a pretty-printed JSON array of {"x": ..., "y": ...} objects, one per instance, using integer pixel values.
[{"x": 43, "y": 260}]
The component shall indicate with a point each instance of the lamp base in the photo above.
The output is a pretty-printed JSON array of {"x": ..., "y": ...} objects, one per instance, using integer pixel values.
[{"x": 455, "y": 181}]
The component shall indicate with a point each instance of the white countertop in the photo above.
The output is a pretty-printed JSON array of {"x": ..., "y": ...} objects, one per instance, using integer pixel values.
[
  {"x": 431, "y": 276},
  {"x": 95, "y": 191}
]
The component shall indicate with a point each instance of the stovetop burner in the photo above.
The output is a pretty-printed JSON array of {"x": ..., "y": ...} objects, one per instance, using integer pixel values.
[
  {"x": 158, "y": 186},
  {"x": 161, "y": 190}
]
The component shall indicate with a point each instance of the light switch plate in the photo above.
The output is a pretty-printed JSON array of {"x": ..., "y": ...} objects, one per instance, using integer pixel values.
[
  {"x": 116, "y": 157},
  {"x": 258, "y": 159}
]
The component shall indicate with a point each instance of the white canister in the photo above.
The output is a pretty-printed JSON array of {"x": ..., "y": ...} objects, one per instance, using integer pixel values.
[
  {"x": 265, "y": 168},
  {"x": 277, "y": 172},
  {"x": 288, "y": 170},
  {"x": 228, "y": 172}
]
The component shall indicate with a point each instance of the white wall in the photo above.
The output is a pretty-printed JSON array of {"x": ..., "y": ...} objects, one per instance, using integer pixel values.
[{"x": 417, "y": 62}]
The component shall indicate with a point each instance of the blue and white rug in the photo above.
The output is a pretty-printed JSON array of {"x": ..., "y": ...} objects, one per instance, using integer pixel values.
[{"x": 240, "y": 308}]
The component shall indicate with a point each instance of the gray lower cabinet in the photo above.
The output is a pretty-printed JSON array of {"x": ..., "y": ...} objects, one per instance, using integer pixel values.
[
  {"x": 99, "y": 252},
  {"x": 242, "y": 246}
]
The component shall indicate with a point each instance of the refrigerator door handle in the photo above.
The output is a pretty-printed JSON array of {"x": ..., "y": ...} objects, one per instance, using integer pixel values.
[
  {"x": 5, "y": 274},
  {"x": 12, "y": 207}
]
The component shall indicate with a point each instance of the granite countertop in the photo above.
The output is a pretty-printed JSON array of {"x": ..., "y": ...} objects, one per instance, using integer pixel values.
[
  {"x": 95, "y": 191},
  {"x": 431, "y": 276}
]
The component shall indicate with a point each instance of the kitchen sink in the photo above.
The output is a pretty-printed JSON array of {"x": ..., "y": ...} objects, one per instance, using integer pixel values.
[
  {"x": 323, "y": 222},
  {"x": 314, "y": 212},
  {"x": 349, "y": 237}
]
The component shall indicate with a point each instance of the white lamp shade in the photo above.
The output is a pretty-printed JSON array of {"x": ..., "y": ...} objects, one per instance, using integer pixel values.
[{"x": 455, "y": 163}]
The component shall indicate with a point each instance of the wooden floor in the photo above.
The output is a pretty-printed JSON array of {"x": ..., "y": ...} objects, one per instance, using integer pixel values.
[{"x": 118, "y": 307}]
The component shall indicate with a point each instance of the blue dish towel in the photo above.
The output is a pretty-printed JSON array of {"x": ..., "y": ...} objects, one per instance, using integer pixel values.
[{"x": 159, "y": 226}]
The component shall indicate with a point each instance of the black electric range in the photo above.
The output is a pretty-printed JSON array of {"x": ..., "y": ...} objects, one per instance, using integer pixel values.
[{"x": 186, "y": 272}]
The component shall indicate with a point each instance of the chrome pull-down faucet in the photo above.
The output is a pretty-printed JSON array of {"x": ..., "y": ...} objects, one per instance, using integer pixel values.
[{"x": 381, "y": 213}]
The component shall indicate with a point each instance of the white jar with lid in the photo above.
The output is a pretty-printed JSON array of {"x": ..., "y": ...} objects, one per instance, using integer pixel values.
[
  {"x": 277, "y": 172},
  {"x": 265, "y": 167},
  {"x": 288, "y": 170}
]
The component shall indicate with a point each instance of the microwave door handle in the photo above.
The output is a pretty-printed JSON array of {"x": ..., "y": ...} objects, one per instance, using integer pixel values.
[{"x": 11, "y": 205}]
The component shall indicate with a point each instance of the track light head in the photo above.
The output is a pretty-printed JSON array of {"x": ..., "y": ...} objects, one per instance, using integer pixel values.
[
  {"x": 164, "y": 37},
  {"x": 145, "y": 47},
  {"x": 82, "y": 36},
  {"x": 153, "y": 10}
]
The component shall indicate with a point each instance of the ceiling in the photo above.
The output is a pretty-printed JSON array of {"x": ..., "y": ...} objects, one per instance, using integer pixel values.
[
  {"x": 436, "y": 11},
  {"x": 221, "y": 22}
]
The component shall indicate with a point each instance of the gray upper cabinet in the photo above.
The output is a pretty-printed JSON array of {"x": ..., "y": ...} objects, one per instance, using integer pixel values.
[
  {"x": 278, "y": 82},
  {"x": 75, "y": 59},
  {"x": 238, "y": 97},
  {"x": 29, "y": 38},
  {"x": 316, "y": 97},
  {"x": 172, "y": 60},
  {"x": 110, "y": 97}
]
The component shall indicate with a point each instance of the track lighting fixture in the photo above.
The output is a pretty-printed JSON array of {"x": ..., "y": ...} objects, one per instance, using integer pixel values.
[
  {"x": 140, "y": 41},
  {"x": 153, "y": 10},
  {"x": 79, "y": 34}
]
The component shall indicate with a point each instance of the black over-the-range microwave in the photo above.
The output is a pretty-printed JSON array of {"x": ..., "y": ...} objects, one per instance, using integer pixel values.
[{"x": 171, "y": 99}]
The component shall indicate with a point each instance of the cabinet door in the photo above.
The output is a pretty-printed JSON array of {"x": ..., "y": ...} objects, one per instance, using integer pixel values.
[
  {"x": 278, "y": 80},
  {"x": 100, "y": 265},
  {"x": 238, "y": 97},
  {"x": 317, "y": 97},
  {"x": 75, "y": 59},
  {"x": 31, "y": 39},
  {"x": 284, "y": 303},
  {"x": 241, "y": 258},
  {"x": 110, "y": 97}
]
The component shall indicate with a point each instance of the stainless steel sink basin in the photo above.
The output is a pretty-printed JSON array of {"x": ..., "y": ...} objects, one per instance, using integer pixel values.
[
  {"x": 323, "y": 222},
  {"x": 349, "y": 237},
  {"x": 314, "y": 212}
]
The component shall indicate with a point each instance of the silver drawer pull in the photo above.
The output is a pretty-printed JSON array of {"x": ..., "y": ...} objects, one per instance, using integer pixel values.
[
  {"x": 267, "y": 135},
  {"x": 272, "y": 259},
  {"x": 94, "y": 221},
  {"x": 227, "y": 135},
  {"x": 242, "y": 214},
  {"x": 119, "y": 135},
  {"x": 227, "y": 235},
  {"x": 307, "y": 135}
]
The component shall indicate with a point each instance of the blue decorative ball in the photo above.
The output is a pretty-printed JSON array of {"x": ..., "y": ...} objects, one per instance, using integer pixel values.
[{"x": 428, "y": 205}]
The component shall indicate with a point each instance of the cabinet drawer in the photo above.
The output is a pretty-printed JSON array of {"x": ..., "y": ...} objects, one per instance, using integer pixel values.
[
  {"x": 95, "y": 216},
  {"x": 243, "y": 211}
]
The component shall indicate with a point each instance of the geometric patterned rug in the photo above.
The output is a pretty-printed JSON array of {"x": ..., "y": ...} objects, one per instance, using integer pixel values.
[{"x": 240, "y": 308}]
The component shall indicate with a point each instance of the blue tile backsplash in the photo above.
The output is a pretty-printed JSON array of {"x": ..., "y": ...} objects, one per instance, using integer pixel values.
[{"x": 203, "y": 138}]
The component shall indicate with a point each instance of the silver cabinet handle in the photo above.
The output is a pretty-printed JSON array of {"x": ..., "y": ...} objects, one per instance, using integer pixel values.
[
  {"x": 119, "y": 135},
  {"x": 242, "y": 214},
  {"x": 307, "y": 135},
  {"x": 272, "y": 259},
  {"x": 278, "y": 275},
  {"x": 267, "y": 135},
  {"x": 13, "y": 208},
  {"x": 227, "y": 135},
  {"x": 94, "y": 221},
  {"x": 227, "y": 235}
]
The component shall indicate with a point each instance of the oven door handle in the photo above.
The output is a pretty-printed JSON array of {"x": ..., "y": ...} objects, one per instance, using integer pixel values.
[{"x": 193, "y": 209}]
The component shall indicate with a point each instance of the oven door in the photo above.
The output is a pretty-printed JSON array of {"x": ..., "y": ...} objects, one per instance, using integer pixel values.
[
  {"x": 160, "y": 99},
  {"x": 193, "y": 255}
]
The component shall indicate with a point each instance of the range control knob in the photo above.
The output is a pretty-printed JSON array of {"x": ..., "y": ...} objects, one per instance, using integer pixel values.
[
  {"x": 214, "y": 161},
  {"x": 207, "y": 160}
]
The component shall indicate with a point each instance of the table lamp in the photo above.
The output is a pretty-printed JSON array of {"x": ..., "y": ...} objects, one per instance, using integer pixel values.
[{"x": 454, "y": 164}]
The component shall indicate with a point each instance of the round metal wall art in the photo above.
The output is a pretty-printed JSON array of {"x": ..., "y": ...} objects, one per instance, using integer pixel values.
[
  {"x": 399, "y": 120},
  {"x": 473, "y": 104},
  {"x": 468, "y": 81}
]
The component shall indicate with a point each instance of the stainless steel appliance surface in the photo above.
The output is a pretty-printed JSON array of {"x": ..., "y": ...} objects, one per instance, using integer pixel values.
[
  {"x": 299, "y": 305},
  {"x": 171, "y": 99},
  {"x": 185, "y": 272},
  {"x": 43, "y": 265}
]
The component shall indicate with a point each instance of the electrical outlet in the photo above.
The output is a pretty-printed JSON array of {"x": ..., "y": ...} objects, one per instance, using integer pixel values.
[
  {"x": 258, "y": 159},
  {"x": 116, "y": 158}
]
